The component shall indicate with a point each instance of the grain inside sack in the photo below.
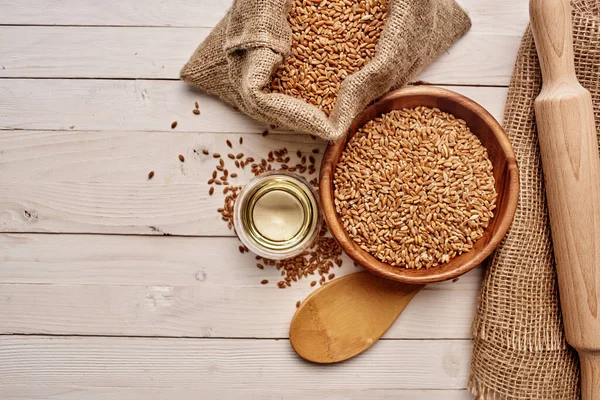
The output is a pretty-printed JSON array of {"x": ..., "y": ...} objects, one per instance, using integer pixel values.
[
  {"x": 414, "y": 187},
  {"x": 311, "y": 66}
]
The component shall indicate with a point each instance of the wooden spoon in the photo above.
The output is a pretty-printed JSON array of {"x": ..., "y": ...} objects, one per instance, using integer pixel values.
[{"x": 347, "y": 316}]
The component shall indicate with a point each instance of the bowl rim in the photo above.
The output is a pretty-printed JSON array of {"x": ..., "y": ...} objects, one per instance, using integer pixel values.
[{"x": 368, "y": 261}]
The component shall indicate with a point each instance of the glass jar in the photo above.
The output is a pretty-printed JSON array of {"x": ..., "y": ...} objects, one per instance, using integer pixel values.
[{"x": 277, "y": 215}]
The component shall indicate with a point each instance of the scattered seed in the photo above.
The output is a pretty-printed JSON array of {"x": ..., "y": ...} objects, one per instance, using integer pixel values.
[
  {"x": 196, "y": 105},
  {"x": 214, "y": 174},
  {"x": 150, "y": 174},
  {"x": 241, "y": 140},
  {"x": 454, "y": 280},
  {"x": 237, "y": 163},
  {"x": 264, "y": 281},
  {"x": 229, "y": 143},
  {"x": 196, "y": 111},
  {"x": 260, "y": 266},
  {"x": 265, "y": 133},
  {"x": 181, "y": 158},
  {"x": 331, "y": 276},
  {"x": 211, "y": 190},
  {"x": 216, "y": 155},
  {"x": 315, "y": 151},
  {"x": 211, "y": 181},
  {"x": 313, "y": 283},
  {"x": 234, "y": 175},
  {"x": 232, "y": 156},
  {"x": 240, "y": 155},
  {"x": 298, "y": 304},
  {"x": 204, "y": 151},
  {"x": 174, "y": 125},
  {"x": 221, "y": 162}
]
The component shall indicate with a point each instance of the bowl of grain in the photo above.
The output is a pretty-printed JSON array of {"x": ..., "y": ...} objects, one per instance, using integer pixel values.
[{"x": 423, "y": 188}]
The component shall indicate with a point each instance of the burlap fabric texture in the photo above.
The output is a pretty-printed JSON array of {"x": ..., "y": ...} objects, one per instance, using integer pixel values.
[
  {"x": 236, "y": 61},
  {"x": 519, "y": 348}
]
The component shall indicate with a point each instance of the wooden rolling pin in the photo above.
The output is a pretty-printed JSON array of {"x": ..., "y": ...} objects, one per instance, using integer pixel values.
[{"x": 571, "y": 165}]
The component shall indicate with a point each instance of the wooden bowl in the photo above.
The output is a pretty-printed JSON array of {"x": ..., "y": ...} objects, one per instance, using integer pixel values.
[{"x": 500, "y": 152}]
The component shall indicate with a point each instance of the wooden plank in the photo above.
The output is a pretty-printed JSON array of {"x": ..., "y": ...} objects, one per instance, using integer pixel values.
[
  {"x": 505, "y": 16},
  {"x": 171, "y": 286},
  {"x": 121, "y": 157},
  {"x": 105, "y": 105},
  {"x": 130, "y": 52},
  {"x": 34, "y": 392},
  {"x": 115, "y": 105},
  {"x": 61, "y": 181},
  {"x": 227, "y": 311},
  {"x": 142, "y": 106},
  {"x": 234, "y": 364}
]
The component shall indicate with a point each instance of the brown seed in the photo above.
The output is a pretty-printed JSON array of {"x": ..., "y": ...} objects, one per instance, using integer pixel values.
[
  {"x": 204, "y": 151},
  {"x": 237, "y": 163},
  {"x": 214, "y": 174},
  {"x": 423, "y": 215},
  {"x": 196, "y": 111},
  {"x": 218, "y": 182},
  {"x": 260, "y": 266},
  {"x": 232, "y": 156},
  {"x": 229, "y": 143},
  {"x": 265, "y": 133},
  {"x": 241, "y": 140},
  {"x": 240, "y": 155},
  {"x": 264, "y": 281},
  {"x": 281, "y": 284},
  {"x": 299, "y": 154},
  {"x": 313, "y": 283},
  {"x": 241, "y": 249},
  {"x": 311, "y": 159},
  {"x": 211, "y": 190},
  {"x": 181, "y": 158},
  {"x": 150, "y": 174},
  {"x": 211, "y": 181},
  {"x": 315, "y": 151},
  {"x": 174, "y": 125},
  {"x": 234, "y": 175},
  {"x": 216, "y": 155},
  {"x": 225, "y": 190},
  {"x": 221, "y": 163},
  {"x": 196, "y": 105},
  {"x": 454, "y": 280},
  {"x": 331, "y": 276},
  {"x": 298, "y": 304}
]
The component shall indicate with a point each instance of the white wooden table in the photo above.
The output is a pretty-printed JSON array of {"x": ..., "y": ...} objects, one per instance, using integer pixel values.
[{"x": 116, "y": 288}]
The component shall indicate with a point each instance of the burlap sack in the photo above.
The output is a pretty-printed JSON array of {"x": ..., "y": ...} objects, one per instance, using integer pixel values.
[
  {"x": 236, "y": 61},
  {"x": 519, "y": 349}
]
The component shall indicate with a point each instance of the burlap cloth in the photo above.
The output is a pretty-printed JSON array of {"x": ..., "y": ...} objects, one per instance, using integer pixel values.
[
  {"x": 520, "y": 350},
  {"x": 236, "y": 61}
]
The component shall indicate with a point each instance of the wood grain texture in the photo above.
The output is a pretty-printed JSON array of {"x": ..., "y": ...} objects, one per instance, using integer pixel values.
[
  {"x": 505, "y": 170},
  {"x": 160, "y": 53},
  {"x": 53, "y": 181},
  {"x": 569, "y": 148},
  {"x": 347, "y": 316},
  {"x": 34, "y": 392},
  {"x": 125, "y": 105},
  {"x": 172, "y": 286},
  {"x": 234, "y": 364},
  {"x": 509, "y": 16}
]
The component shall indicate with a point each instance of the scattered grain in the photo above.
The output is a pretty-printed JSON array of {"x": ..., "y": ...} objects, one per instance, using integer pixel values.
[
  {"x": 181, "y": 158},
  {"x": 150, "y": 175},
  {"x": 174, "y": 125}
]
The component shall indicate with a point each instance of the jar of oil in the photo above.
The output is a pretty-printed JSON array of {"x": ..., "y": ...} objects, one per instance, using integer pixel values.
[{"x": 277, "y": 215}]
